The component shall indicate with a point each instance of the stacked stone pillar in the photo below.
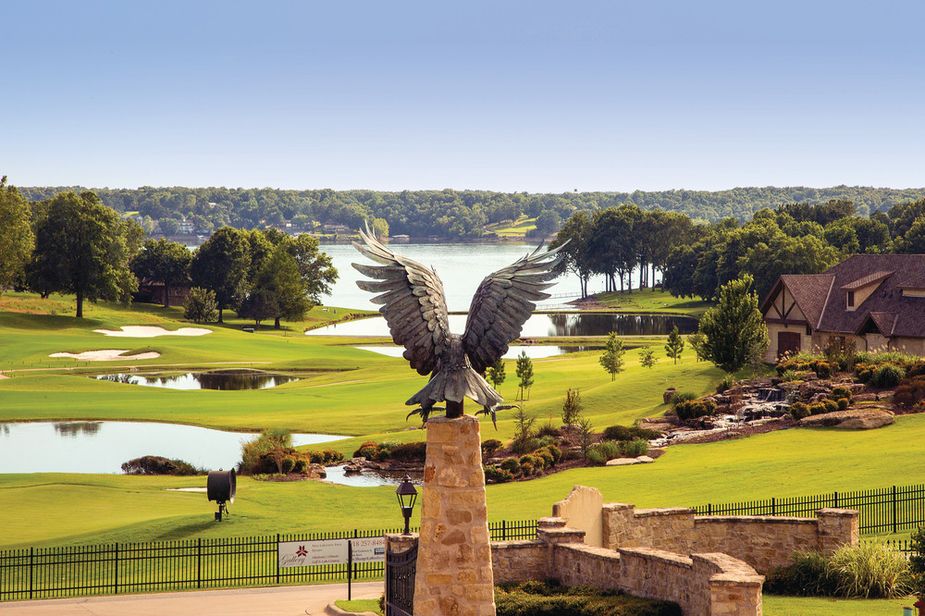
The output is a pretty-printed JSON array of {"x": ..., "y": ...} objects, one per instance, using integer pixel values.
[{"x": 454, "y": 575}]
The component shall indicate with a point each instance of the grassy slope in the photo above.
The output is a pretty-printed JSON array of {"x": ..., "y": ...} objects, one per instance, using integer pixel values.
[{"x": 648, "y": 300}]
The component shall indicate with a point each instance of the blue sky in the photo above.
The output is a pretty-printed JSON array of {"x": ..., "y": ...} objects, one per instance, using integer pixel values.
[{"x": 503, "y": 95}]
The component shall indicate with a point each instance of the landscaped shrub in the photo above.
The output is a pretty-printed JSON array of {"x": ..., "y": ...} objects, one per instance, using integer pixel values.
[
  {"x": 540, "y": 599},
  {"x": 840, "y": 392},
  {"x": 548, "y": 429},
  {"x": 870, "y": 571},
  {"x": 830, "y": 406},
  {"x": 910, "y": 392},
  {"x": 595, "y": 456},
  {"x": 799, "y": 410},
  {"x": 725, "y": 384},
  {"x": 691, "y": 409},
  {"x": 496, "y": 474},
  {"x": 555, "y": 452},
  {"x": 789, "y": 376},
  {"x": 409, "y": 452},
  {"x": 511, "y": 465},
  {"x": 843, "y": 403},
  {"x": 806, "y": 576},
  {"x": 490, "y": 446},
  {"x": 634, "y": 448},
  {"x": 887, "y": 375},
  {"x": 367, "y": 450},
  {"x": 682, "y": 396},
  {"x": 802, "y": 362},
  {"x": 158, "y": 465},
  {"x": 328, "y": 456},
  {"x": 617, "y": 433},
  {"x": 817, "y": 408}
]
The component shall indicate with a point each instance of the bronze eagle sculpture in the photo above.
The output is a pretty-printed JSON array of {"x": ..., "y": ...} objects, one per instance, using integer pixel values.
[{"x": 414, "y": 307}]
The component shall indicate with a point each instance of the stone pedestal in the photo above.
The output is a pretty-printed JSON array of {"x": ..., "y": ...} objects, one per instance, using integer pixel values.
[{"x": 454, "y": 576}]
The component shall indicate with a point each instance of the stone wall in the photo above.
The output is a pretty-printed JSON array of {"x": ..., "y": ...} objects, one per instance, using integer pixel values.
[
  {"x": 582, "y": 509},
  {"x": 764, "y": 542}
]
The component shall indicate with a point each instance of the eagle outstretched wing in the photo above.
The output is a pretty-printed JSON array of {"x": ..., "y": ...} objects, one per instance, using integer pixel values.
[
  {"x": 504, "y": 302},
  {"x": 412, "y": 301}
]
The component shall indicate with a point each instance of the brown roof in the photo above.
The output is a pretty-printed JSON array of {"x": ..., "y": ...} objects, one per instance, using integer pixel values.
[
  {"x": 866, "y": 280},
  {"x": 891, "y": 312},
  {"x": 810, "y": 292}
]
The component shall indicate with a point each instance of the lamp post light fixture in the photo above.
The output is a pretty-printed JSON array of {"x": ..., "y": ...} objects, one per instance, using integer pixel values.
[{"x": 407, "y": 496}]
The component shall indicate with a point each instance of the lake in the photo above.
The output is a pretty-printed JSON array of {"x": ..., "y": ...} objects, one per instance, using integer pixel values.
[
  {"x": 533, "y": 351},
  {"x": 540, "y": 325},
  {"x": 102, "y": 446},
  {"x": 461, "y": 267},
  {"x": 223, "y": 380}
]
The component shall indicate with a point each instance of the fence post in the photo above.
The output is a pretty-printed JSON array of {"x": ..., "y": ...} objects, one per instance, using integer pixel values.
[
  {"x": 115, "y": 577},
  {"x": 773, "y": 505},
  {"x": 710, "y": 509},
  {"x": 199, "y": 562},
  {"x": 31, "y": 563},
  {"x": 277, "y": 558},
  {"x": 836, "y": 500},
  {"x": 894, "y": 509},
  {"x": 503, "y": 530}
]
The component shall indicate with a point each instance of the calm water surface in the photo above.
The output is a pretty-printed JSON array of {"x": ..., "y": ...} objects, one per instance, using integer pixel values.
[
  {"x": 224, "y": 380},
  {"x": 102, "y": 446},
  {"x": 533, "y": 351},
  {"x": 589, "y": 324}
]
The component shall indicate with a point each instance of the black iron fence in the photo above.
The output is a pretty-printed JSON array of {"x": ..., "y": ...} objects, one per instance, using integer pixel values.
[
  {"x": 883, "y": 510},
  {"x": 70, "y": 571}
]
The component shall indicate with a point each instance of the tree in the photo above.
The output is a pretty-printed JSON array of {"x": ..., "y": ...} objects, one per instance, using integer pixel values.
[
  {"x": 647, "y": 358},
  {"x": 697, "y": 341},
  {"x": 612, "y": 358},
  {"x": 585, "y": 435},
  {"x": 523, "y": 431},
  {"x": 200, "y": 306},
  {"x": 380, "y": 228},
  {"x": 316, "y": 267},
  {"x": 734, "y": 329},
  {"x": 278, "y": 292},
  {"x": 496, "y": 373},
  {"x": 675, "y": 345},
  {"x": 524, "y": 374},
  {"x": 165, "y": 262},
  {"x": 221, "y": 265},
  {"x": 571, "y": 407},
  {"x": 82, "y": 248},
  {"x": 574, "y": 235},
  {"x": 16, "y": 238}
]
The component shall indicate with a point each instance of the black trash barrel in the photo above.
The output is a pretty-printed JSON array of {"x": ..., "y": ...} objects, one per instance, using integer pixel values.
[{"x": 221, "y": 486}]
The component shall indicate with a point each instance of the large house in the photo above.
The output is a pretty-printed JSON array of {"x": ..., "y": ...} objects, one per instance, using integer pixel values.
[{"x": 877, "y": 301}]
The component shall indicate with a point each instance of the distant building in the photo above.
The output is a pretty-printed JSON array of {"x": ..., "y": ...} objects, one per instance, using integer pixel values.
[
  {"x": 876, "y": 301},
  {"x": 153, "y": 293}
]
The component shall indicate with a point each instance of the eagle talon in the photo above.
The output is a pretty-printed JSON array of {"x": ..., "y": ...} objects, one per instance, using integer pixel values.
[{"x": 492, "y": 411}]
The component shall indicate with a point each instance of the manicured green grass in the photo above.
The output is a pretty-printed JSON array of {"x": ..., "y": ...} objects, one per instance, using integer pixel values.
[
  {"x": 648, "y": 300},
  {"x": 360, "y": 605},
  {"x": 517, "y": 229},
  {"x": 806, "y": 606}
]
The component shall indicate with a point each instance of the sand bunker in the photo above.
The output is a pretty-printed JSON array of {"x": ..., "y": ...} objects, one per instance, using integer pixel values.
[
  {"x": 186, "y": 489},
  {"x": 3, "y": 376},
  {"x": 150, "y": 331},
  {"x": 106, "y": 355}
]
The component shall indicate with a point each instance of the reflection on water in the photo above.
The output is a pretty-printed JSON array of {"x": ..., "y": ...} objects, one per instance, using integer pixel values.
[
  {"x": 73, "y": 428},
  {"x": 102, "y": 446},
  {"x": 534, "y": 351},
  {"x": 542, "y": 325},
  {"x": 225, "y": 380},
  {"x": 368, "y": 479}
]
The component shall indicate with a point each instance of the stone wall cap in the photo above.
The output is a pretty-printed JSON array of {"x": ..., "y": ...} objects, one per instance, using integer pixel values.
[
  {"x": 643, "y": 513},
  {"x": 618, "y": 506},
  {"x": 755, "y": 519},
  {"x": 736, "y": 579},
  {"x": 589, "y": 549},
  {"x": 838, "y": 512},
  {"x": 726, "y": 564},
  {"x": 657, "y": 554},
  {"x": 563, "y": 531},
  {"x": 516, "y": 544},
  {"x": 447, "y": 420},
  {"x": 401, "y": 536},
  {"x": 551, "y": 522}
]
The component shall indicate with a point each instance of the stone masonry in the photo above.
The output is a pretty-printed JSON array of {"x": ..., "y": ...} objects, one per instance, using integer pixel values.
[{"x": 454, "y": 570}]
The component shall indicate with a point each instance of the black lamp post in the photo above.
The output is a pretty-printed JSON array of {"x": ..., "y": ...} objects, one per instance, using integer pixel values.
[{"x": 407, "y": 495}]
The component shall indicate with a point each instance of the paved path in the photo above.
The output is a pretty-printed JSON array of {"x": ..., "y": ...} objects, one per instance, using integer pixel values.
[{"x": 277, "y": 601}]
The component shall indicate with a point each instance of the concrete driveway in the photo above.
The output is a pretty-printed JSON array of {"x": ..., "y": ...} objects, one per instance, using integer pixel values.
[{"x": 276, "y": 601}]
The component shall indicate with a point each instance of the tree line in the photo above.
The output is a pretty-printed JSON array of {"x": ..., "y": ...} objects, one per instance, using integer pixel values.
[
  {"x": 73, "y": 243},
  {"x": 696, "y": 258},
  {"x": 449, "y": 214}
]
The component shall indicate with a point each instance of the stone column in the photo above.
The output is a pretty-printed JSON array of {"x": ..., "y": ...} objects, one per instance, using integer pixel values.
[
  {"x": 454, "y": 576},
  {"x": 837, "y": 527}
]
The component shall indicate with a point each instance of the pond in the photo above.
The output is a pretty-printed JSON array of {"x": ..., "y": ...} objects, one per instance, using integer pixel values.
[
  {"x": 533, "y": 351},
  {"x": 540, "y": 325},
  {"x": 224, "y": 380},
  {"x": 461, "y": 267},
  {"x": 102, "y": 446},
  {"x": 368, "y": 479}
]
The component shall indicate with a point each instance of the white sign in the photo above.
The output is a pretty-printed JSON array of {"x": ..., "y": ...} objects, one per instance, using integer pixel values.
[
  {"x": 330, "y": 551},
  {"x": 368, "y": 549}
]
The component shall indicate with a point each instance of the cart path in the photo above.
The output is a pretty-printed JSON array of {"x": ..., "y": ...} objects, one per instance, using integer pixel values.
[{"x": 276, "y": 601}]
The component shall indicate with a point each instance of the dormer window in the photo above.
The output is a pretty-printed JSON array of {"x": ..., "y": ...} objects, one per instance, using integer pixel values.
[{"x": 850, "y": 299}]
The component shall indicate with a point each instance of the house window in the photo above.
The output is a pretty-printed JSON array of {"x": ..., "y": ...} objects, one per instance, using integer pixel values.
[{"x": 850, "y": 299}]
